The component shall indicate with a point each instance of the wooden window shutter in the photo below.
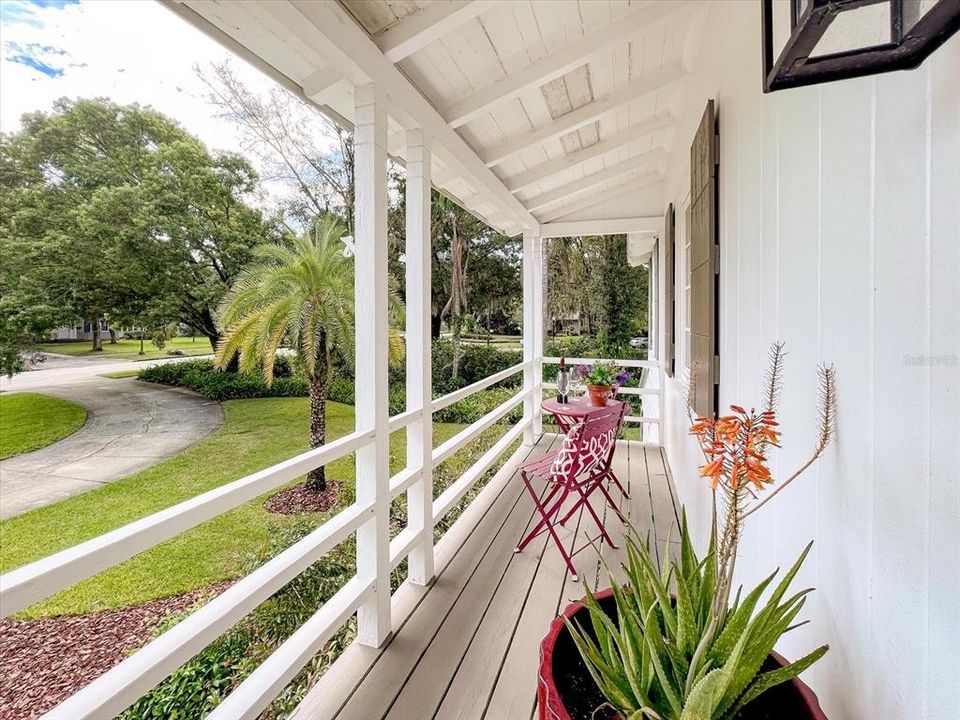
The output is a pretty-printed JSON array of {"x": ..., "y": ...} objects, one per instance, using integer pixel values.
[
  {"x": 704, "y": 266},
  {"x": 670, "y": 292}
]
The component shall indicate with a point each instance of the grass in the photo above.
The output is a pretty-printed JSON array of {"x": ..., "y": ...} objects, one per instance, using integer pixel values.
[
  {"x": 255, "y": 434},
  {"x": 129, "y": 349},
  {"x": 118, "y": 374},
  {"x": 30, "y": 421}
]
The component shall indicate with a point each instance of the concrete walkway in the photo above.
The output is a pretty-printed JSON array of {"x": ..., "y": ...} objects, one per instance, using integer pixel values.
[{"x": 130, "y": 426}]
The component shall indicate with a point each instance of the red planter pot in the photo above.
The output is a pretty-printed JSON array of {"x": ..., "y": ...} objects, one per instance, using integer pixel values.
[
  {"x": 599, "y": 394},
  {"x": 559, "y": 660}
]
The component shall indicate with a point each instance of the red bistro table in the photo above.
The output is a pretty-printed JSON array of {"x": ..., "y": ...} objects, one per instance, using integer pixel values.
[{"x": 575, "y": 410}]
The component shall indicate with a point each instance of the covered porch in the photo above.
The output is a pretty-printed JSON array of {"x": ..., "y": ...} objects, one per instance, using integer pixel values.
[
  {"x": 558, "y": 119},
  {"x": 467, "y": 646}
]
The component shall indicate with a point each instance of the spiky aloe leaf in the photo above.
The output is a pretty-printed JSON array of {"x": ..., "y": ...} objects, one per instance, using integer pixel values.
[
  {"x": 607, "y": 677},
  {"x": 762, "y": 635},
  {"x": 687, "y": 631},
  {"x": 706, "y": 695},
  {"x": 737, "y": 623},
  {"x": 659, "y": 658},
  {"x": 767, "y": 680}
]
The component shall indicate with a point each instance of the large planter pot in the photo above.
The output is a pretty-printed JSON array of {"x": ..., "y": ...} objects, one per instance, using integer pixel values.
[
  {"x": 565, "y": 690},
  {"x": 599, "y": 394}
]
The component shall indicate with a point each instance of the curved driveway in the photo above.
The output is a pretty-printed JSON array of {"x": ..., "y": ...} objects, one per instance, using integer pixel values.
[{"x": 130, "y": 426}]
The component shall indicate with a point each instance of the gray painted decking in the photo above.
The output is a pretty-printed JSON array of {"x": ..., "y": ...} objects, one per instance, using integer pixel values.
[{"x": 468, "y": 646}]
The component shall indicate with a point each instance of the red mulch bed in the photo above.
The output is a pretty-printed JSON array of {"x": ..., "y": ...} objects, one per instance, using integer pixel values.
[
  {"x": 42, "y": 662},
  {"x": 301, "y": 499}
]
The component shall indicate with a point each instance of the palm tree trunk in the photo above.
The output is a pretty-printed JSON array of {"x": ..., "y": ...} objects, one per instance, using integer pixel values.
[{"x": 317, "y": 479}]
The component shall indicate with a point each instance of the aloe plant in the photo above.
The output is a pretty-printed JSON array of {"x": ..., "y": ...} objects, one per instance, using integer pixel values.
[{"x": 667, "y": 656}]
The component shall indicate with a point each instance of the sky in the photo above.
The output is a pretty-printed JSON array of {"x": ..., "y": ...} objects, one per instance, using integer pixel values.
[{"x": 127, "y": 50}]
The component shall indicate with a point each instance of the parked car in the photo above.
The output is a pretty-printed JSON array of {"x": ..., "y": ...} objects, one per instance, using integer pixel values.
[{"x": 640, "y": 342}]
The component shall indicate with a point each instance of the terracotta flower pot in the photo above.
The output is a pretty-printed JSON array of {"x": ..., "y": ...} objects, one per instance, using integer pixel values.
[
  {"x": 599, "y": 394},
  {"x": 565, "y": 690}
]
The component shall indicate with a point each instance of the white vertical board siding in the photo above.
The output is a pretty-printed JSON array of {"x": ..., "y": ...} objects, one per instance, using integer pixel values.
[{"x": 840, "y": 234}]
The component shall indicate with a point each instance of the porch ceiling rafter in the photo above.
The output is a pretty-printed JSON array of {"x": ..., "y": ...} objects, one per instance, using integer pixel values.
[
  {"x": 581, "y": 185},
  {"x": 566, "y": 162},
  {"x": 585, "y": 114},
  {"x": 600, "y": 196},
  {"x": 560, "y": 62},
  {"x": 337, "y": 37},
  {"x": 428, "y": 24},
  {"x": 614, "y": 226}
]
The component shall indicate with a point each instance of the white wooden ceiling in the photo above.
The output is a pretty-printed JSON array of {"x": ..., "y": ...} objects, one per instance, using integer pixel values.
[{"x": 569, "y": 103}]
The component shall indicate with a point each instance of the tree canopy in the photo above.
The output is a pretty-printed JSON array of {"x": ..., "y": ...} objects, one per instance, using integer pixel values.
[{"x": 115, "y": 209}]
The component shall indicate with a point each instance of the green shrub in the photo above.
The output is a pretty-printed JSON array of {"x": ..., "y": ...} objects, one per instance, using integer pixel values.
[
  {"x": 472, "y": 408},
  {"x": 201, "y": 377},
  {"x": 476, "y": 362}
]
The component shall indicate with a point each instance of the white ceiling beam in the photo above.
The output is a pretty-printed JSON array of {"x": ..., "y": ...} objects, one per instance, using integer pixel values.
[
  {"x": 600, "y": 196},
  {"x": 315, "y": 85},
  {"x": 613, "y": 226},
  {"x": 587, "y": 182},
  {"x": 566, "y": 162},
  {"x": 346, "y": 46},
  {"x": 428, "y": 24},
  {"x": 584, "y": 115},
  {"x": 560, "y": 62}
]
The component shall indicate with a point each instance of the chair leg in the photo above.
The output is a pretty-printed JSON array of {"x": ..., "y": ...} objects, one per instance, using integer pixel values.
[
  {"x": 593, "y": 513},
  {"x": 545, "y": 521},
  {"x": 612, "y": 504},
  {"x": 542, "y": 509},
  {"x": 617, "y": 483}
]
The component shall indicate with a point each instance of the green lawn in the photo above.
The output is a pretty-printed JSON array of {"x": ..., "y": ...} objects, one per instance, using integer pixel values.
[
  {"x": 129, "y": 349},
  {"x": 255, "y": 434},
  {"x": 29, "y": 421}
]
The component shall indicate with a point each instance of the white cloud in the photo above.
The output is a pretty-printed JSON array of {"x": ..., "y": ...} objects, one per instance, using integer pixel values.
[{"x": 127, "y": 50}]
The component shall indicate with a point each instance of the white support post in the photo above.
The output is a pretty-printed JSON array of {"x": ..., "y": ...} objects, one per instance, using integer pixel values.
[
  {"x": 540, "y": 316},
  {"x": 419, "y": 362},
  {"x": 532, "y": 335},
  {"x": 372, "y": 410}
]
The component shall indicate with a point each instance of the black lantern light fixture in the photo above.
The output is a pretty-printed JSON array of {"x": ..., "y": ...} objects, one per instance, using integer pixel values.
[{"x": 838, "y": 39}]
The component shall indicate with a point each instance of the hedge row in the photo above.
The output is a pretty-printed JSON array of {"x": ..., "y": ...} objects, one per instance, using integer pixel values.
[{"x": 201, "y": 377}]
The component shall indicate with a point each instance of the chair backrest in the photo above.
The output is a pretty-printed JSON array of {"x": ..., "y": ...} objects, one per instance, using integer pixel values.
[{"x": 589, "y": 443}]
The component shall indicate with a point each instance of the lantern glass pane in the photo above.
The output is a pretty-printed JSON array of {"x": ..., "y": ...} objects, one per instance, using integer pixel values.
[
  {"x": 914, "y": 10},
  {"x": 859, "y": 27}
]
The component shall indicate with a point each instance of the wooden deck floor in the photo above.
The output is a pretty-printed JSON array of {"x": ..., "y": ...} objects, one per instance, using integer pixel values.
[{"x": 468, "y": 646}]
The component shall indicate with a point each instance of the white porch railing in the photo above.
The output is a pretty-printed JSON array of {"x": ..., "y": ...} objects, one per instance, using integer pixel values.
[{"x": 123, "y": 685}]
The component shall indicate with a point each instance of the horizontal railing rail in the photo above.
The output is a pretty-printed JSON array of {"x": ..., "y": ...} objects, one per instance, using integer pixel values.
[
  {"x": 31, "y": 583},
  {"x": 449, "y": 447},
  {"x": 120, "y": 687},
  {"x": 449, "y": 497},
  {"x": 124, "y": 684},
  {"x": 465, "y": 392},
  {"x": 590, "y": 361},
  {"x": 258, "y": 690}
]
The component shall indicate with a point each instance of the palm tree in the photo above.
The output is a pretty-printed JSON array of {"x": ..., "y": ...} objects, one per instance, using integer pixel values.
[{"x": 301, "y": 289}]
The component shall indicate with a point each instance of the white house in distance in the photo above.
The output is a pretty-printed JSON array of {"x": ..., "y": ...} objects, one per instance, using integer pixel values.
[{"x": 824, "y": 213}]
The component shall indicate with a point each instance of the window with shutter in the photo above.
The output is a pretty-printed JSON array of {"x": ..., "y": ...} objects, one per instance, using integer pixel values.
[
  {"x": 669, "y": 292},
  {"x": 704, "y": 265}
]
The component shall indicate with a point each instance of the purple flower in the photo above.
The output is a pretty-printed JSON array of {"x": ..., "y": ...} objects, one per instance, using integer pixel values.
[
  {"x": 583, "y": 371},
  {"x": 624, "y": 377}
]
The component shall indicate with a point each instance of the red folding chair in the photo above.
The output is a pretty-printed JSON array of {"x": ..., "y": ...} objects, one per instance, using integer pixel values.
[{"x": 580, "y": 466}]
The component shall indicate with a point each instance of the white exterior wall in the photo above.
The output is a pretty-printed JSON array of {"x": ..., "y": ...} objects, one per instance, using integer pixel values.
[{"x": 840, "y": 234}]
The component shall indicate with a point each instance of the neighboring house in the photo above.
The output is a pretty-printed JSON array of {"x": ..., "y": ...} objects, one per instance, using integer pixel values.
[{"x": 80, "y": 331}]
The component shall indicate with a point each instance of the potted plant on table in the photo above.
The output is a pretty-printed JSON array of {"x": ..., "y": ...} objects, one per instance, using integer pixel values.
[
  {"x": 602, "y": 379},
  {"x": 670, "y": 643}
]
